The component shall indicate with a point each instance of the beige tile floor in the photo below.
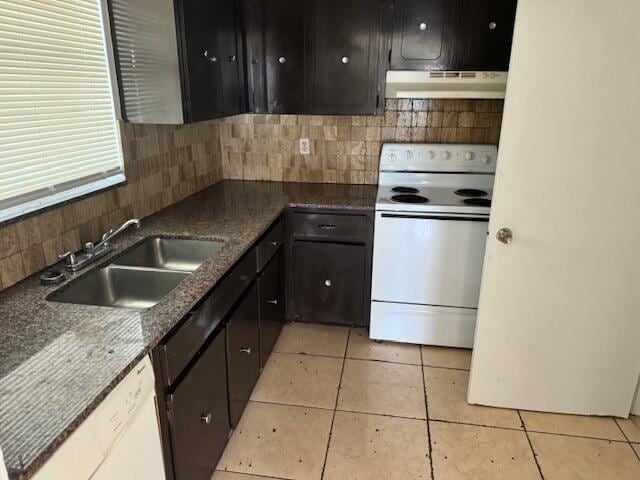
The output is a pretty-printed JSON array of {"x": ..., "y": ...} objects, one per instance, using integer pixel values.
[{"x": 333, "y": 405}]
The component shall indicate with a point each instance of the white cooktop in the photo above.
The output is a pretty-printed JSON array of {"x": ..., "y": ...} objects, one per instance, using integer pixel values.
[{"x": 436, "y": 171}]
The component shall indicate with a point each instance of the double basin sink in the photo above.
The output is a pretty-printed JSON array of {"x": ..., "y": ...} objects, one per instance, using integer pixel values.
[{"x": 141, "y": 276}]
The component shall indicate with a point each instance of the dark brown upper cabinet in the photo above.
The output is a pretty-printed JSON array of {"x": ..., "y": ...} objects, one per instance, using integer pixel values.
[
  {"x": 346, "y": 43},
  {"x": 485, "y": 34},
  {"x": 210, "y": 46},
  {"x": 423, "y": 34},
  {"x": 452, "y": 34},
  {"x": 275, "y": 32},
  {"x": 315, "y": 56}
]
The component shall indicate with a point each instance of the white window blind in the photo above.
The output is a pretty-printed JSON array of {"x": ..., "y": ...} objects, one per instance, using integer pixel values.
[{"x": 59, "y": 134}]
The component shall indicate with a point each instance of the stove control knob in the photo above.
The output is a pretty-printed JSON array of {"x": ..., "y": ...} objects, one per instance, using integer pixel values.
[
  {"x": 391, "y": 157},
  {"x": 431, "y": 154},
  {"x": 409, "y": 154},
  {"x": 486, "y": 160},
  {"x": 446, "y": 155},
  {"x": 468, "y": 155}
]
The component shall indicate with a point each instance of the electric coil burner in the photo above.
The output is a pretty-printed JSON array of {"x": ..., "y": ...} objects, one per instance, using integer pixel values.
[
  {"x": 432, "y": 216},
  {"x": 409, "y": 198},
  {"x": 478, "y": 202},
  {"x": 404, "y": 190},
  {"x": 471, "y": 192}
]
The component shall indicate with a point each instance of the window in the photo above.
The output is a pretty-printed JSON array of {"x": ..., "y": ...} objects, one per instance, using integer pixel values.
[{"x": 59, "y": 135}]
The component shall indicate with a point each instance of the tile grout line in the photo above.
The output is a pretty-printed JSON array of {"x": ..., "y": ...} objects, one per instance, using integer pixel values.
[
  {"x": 533, "y": 452},
  {"x": 333, "y": 417},
  {"x": 637, "y": 453},
  {"x": 244, "y": 474},
  {"x": 373, "y": 360},
  {"x": 426, "y": 408}
]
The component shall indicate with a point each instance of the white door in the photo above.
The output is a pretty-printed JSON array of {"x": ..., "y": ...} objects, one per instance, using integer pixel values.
[{"x": 559, "y": 315}]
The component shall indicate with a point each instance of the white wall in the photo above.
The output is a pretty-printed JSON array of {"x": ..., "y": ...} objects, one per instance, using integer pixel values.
[{"x": 635, "y": 408}]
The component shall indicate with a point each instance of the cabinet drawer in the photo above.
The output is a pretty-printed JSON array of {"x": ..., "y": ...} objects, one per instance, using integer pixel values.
[
  {"x": 199, "y": 415},
  {"x": 271, "y": 294},
  {"x": 328, "y": 282},
  {"x": 243, "y": 353},
  {"x": 324, "y": 226},
  {"x": 269, "y": 245},
  {"x": 180, "y": 348}
]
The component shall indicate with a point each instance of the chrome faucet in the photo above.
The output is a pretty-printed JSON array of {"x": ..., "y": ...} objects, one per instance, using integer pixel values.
[{"x": 91, "y": 253}]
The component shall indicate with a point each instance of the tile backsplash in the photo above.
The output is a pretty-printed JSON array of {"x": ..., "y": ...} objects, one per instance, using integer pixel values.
[
  {"x": 164, "y": 164},
  {"x": 345, "y": 149}
]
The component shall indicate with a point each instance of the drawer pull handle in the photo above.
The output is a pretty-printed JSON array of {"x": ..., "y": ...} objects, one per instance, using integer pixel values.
[
  {"x": 274, "y": 302},
  {"x": 328, "y": 282},
  {"x": 273, "y": 244},
  {"x": 327, "y": 226},
  {"x": 206, "y": 418},
  {"x": 246, "y": 350}
]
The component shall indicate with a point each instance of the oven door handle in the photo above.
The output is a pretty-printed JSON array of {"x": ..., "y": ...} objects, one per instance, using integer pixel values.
[{"x": 435, "y": 217}]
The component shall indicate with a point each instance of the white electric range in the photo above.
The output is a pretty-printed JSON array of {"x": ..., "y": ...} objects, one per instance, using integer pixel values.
[{"x": 432, "y": 214}]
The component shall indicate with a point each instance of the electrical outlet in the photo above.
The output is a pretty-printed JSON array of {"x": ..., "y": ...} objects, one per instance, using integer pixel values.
[{"x": 305, "y": 146}]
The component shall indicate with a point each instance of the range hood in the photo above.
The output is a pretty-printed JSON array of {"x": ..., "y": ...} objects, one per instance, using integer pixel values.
[{"x": 445, "y": 84}]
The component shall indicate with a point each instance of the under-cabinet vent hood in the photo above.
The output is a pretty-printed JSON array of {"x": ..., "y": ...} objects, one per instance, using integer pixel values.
[{"x": 419, "y": 84}]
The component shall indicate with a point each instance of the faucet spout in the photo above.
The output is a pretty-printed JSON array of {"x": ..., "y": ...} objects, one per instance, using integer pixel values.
[{"x": 107, "y": 237}]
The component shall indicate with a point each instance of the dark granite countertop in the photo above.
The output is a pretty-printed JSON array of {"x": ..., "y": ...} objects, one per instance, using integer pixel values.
[{"x": 58, "y": 361}]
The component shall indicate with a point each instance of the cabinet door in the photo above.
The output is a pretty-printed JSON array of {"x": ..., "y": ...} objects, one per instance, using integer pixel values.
[
  {"x": 201, "y": 59},
  {"x": 423, "y": 34},
  {"x": 229, "y": 27},
  {"x": 328, "y": 282},
  {"x": 271, "y": 286},
  {"x": 283, "y": 23},
  {"x": 199, "y": 415},
  {"x": 243, "y": 353},
  {"x": 346, "y": 43},
  {"x": 485, "y": 34}
]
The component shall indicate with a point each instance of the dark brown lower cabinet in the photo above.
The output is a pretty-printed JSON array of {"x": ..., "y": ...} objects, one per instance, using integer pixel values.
[
  {"x": 198, "y": 415},
  {"x": 243, "y": 353},
  {"x": 271, "y": 288},
  {"x": 328, "y": 282}
]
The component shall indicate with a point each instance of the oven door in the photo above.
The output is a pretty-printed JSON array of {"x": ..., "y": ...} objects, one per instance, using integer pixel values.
[{"x": 428, "y": 258}]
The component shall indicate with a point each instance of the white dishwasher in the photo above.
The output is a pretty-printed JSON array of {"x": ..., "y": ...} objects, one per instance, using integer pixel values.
[{"x": 119, "y": 440}]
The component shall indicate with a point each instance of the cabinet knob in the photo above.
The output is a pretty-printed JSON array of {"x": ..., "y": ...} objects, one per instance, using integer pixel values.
[
  {"x": 211, "y": 58},
  {"x": 492, "y": 25},
  {"x": 273, "y": 244},
  {"x": 232, "y": 58},
  {"x": 282, "y": 60},
  {"x": 246, "y": 350},
  {"x": 344, "y": 60},
  {"x": 328, "y": 282},
  {"x": 206, "y": 418},
  {"x": 274, "y": 302},
  {"x": 422, "y": 26}
]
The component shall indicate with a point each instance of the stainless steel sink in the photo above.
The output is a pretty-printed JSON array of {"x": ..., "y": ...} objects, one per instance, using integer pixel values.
[
  {"x": 141, "y": 276},
  {"x": 184, "y": 255},
  {"x": 118, "y": 286}
]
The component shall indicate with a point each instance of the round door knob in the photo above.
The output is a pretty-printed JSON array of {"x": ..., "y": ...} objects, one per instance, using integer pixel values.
[
  {"x": 446, "y": 155},
  {"x": 344, "y": 60},
  {"x": 492, "y": 25},
  {"x": 209, "y": 57},
  {"x": 505, "y": 235},
  {"x": 206, "y": 418},
  {"x": 422, "y": 27},
  {"x": 328, "y": 282},
  {"x": 468, "y": 155},
  {"x": 282, "y": 60}
]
